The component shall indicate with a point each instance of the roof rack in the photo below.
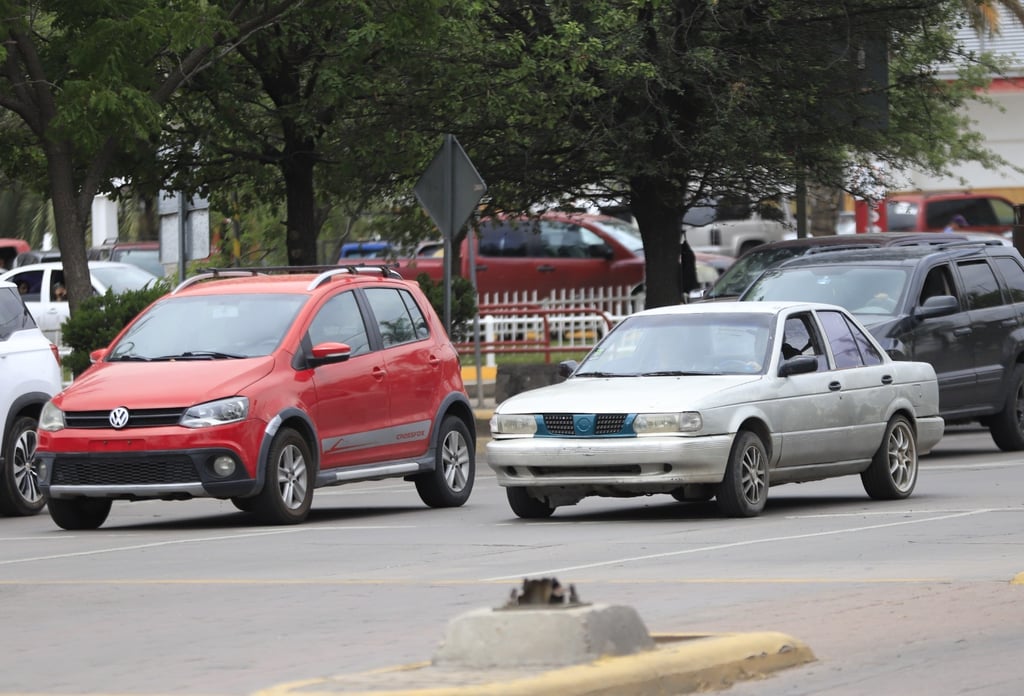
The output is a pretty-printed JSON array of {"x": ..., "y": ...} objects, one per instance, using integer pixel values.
[{"x": 325, "y": 273}]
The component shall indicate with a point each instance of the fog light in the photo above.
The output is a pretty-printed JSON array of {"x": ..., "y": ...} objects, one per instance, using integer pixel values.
[
  {"x": 223, "y": 466},
  {"x": 41, "y": 469}
]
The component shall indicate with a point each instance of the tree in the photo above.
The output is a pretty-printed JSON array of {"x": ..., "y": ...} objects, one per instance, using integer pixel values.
[
  {"x": 310, "y": 110},
  {"x": 83, "y": 89},
  {"x": 663, "y": 103}
]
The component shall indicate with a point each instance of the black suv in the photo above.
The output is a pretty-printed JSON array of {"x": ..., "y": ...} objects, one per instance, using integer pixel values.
[
  {"x": 959, "y": 307},
  {"x": 739, "y": 275}
]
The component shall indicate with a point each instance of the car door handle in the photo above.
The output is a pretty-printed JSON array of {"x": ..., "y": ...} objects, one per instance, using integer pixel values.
[
  {"x": 962, "y": 331},
  {"x": 886, "y": 379},
  {"x": 379, "y": 373},
  {"x": 545, "y": 268},
  {"x": 434, "y": 361},
  {"x": 834, "y": 386}
]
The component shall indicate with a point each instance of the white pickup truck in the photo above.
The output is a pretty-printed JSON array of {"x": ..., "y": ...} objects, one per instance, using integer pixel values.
[{"x": 731, "y": 226}]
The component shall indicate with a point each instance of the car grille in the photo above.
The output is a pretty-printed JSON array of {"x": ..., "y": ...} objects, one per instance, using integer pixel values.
[
  {"x": 139, "y": 418},
  {"x": 154, "y": 469},
  {"x": 584, "y": 424}
]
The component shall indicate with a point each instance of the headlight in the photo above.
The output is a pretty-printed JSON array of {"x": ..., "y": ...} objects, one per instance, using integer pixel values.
[
  {"x": 216, "y": 412},
  {"x": 51, "y": 418},
  {"x": 512, "y": 424},
  {"x": 685, "y": 422}
]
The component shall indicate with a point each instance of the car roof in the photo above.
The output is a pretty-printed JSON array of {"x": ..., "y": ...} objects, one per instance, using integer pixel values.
[
  {"x": 874, "y": 239},
  {"x": 60, "y": 264},
  {"x": 285, "y": 279},
  {"x": 904, "y": 255},
  {"x": 733, "y": 307}
]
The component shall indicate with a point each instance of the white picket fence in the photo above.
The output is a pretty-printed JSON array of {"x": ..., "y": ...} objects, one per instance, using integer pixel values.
[{"x": 525, "y": 322}]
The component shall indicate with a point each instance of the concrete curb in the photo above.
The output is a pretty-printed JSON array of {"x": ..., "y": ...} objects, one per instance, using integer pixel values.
[{"x": 681, "y": 663}]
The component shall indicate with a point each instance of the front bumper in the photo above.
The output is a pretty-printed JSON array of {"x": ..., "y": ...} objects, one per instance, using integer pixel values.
[
  {"x": 643, "y": 463},
  {"x": 166, "y": 475}
]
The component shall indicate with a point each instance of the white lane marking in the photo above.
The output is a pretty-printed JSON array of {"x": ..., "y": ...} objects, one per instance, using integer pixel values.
[
  {"x": 200, "y": 540},
  {"x": 731, "y": 545}
]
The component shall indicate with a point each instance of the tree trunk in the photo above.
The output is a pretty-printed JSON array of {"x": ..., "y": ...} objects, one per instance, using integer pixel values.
[
  {"x": 302, "y": 227},
  {"x": 661, "y": 232},
  {"x": 70, "y": 224}
]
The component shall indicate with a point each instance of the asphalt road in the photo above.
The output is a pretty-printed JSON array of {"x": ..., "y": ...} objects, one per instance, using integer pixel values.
[{"x": 909, "y": 597}]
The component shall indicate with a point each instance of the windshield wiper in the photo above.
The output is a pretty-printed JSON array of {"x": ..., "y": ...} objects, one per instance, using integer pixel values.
[
  {"x": 202, "y": 355},
  {"x": 600, "y": 374},
  {"x": 673, "y": 373},
  {"x": 129, "y": 357}
]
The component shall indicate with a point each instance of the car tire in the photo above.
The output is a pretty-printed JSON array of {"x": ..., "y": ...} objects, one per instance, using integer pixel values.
[
  {"x": 77, "y": 514},
  {"x": 243, "y": 504},
  {"x": 744, "y": 489},
  {"x": 451, "y": 481},
  {"x": 19, "y": 484},
  {"x": 1007, "y": 426},
  {"x": 694, "y": 493},
  {"x": 526, "y": 505},
  {"x": 892, "y": 473},
  {"x": 288, "y": 487}
]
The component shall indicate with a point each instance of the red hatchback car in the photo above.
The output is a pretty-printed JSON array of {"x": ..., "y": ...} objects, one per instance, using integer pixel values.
[{"x": 258, "y": 386}]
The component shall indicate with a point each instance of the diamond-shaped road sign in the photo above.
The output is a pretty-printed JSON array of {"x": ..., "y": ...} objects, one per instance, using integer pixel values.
[{"x": 450, "y": 188}]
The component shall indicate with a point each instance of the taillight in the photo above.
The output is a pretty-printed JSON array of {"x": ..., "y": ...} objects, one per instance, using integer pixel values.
[{"x": 56, "y": 352}]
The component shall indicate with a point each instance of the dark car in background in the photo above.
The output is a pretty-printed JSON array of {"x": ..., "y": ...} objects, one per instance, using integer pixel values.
[
  {"x": 748, "y": 267},
  {"x": 145, "y": 255},
  {"x": 958, "y": 307}
]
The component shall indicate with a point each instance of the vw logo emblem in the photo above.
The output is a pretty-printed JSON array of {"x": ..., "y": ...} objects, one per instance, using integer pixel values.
[{"x": 119, "y": 417}]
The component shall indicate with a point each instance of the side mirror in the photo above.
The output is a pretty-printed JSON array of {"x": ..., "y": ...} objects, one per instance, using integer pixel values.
[
  {"x": 97, "y": 355},
  {"x": 328, "y": 353},
  {"x": 798, "y": 365},
  {"x": 938, "y": 306},
  {"x": 567, "y": 367}
]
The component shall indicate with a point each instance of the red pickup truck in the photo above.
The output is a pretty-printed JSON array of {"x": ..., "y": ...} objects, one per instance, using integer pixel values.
[
  {"x": 553, "y": 252},
  {"x": 556, "y": 251}
]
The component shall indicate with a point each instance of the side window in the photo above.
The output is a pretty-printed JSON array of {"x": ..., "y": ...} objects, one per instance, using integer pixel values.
[
  {"x": 509, "y": 239},
  {"x": 1003, "y": 212},
  {"x": 340, "y": 321},
  {"x": 392, "y": 315},
  {"x": 980, "y": 285},
  {"x": 29, "y": 284},
  {"x": 13, "y": 315},
  {"x": 850, "y": 347},
  {"x": 799, "y": 337},
  {"x": 419, "y": 322},
  {"x": 937, "y": 282},
  {"x": 1013, "y": 274}
]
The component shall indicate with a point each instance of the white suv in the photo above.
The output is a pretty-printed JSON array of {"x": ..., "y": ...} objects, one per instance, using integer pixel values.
[{"x": 30, "y": 375}]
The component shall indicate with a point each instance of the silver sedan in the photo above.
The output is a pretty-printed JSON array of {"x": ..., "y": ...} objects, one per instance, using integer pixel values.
[{"x": 719, "y": 400}]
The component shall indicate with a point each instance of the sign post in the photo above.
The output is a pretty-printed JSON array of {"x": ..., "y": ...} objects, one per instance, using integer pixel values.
[{"x": 449, "y": 191}]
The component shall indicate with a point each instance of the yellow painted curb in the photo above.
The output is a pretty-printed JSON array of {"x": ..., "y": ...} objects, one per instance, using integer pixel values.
[
  {"x": 680, "y": 664},
  {"x": 1018, "y": 579},
  {"x": 488, "y": 373}
]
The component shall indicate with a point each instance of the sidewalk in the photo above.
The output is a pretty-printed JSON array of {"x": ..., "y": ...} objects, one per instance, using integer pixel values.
[{"x": 679, "y": 664}]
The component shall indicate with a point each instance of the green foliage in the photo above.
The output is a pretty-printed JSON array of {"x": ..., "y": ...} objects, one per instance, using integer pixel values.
[
  {"x": 463, "y": 304},
  {"x": 100, "y": 318}
]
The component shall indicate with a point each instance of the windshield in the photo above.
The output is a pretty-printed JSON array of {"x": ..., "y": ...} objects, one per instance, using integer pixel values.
[
  {"x": 146, "y": 259},
  {"x": 707, "y": 343},
  {"x": 624, "y": 233},
  {"x": 122, "y": 278},
  {"x": 209, "y": 326},
  {"x": 868, "y": 291},
  {"x": 741, "y": 274}
]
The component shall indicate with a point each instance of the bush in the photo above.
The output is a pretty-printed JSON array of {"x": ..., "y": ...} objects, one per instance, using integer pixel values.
[
  {"x": 463, "y": 304},
  {"x": 99, "y": 319}
]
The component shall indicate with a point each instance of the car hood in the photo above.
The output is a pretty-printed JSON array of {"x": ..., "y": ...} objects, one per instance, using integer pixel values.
[
  {"x": 631, "y": 394},
  {"x": 180, "y": 383}
]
